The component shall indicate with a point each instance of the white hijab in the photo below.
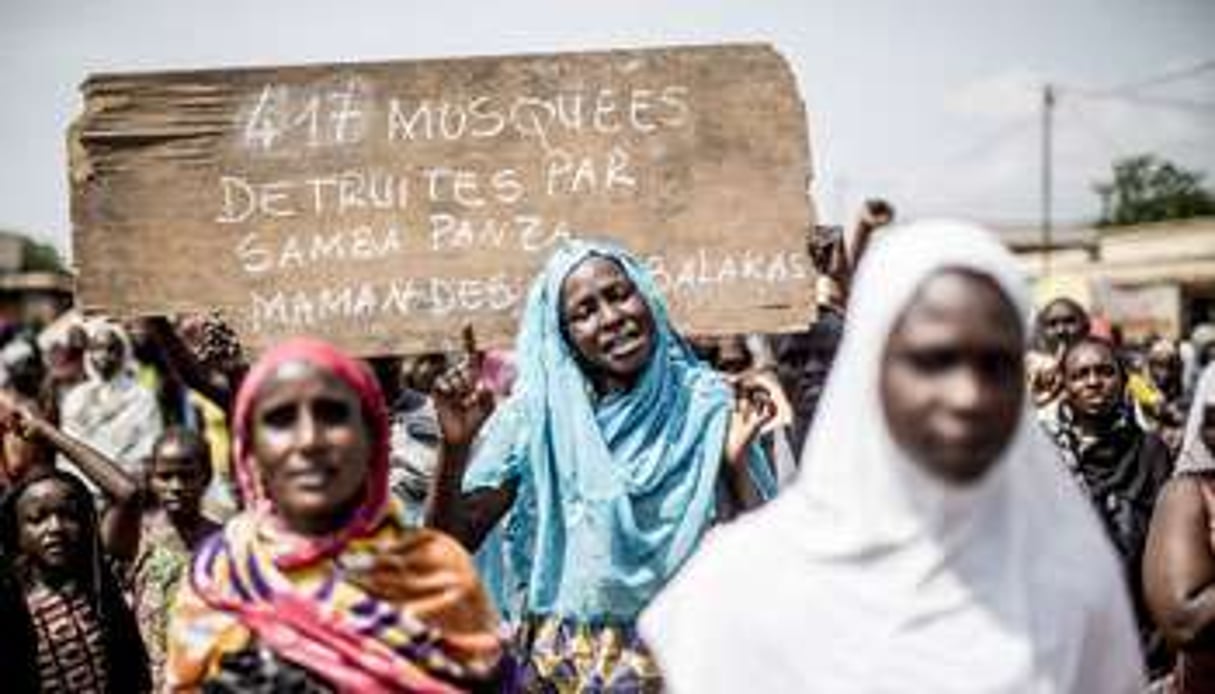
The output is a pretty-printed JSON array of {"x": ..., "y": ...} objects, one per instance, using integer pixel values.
[
  {"x": 869, "y": 575},
  {"x": 1194, "y": 455},
  {"x": 118, "y": 417}
]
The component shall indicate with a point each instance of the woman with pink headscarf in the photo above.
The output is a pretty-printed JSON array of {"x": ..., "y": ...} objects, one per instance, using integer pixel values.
[{"x": 320, "y": 574}]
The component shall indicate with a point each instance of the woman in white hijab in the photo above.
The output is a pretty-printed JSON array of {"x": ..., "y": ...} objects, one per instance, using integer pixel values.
[
  {"x": 1179, "y": 564},
  {"x": 110, "y": 411},
  {"x": 933, "y": 541}
]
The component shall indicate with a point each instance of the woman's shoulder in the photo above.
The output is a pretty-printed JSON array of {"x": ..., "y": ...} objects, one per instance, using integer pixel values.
[
  {"x": 1156, "y": 452},
  {"x": 136, "y": 392},
  {"x": 701, "y": 380},
  {"x": 730, "y": 569},
  {"x": 1071, "y": 558},
  {"x": 75, "y": 399},
  {"x": 1188, "y": 494},
  {"x": 1191, "y": 482},
  {"x": 416, "y": 551},
  {"x": 728, "y": 557}
]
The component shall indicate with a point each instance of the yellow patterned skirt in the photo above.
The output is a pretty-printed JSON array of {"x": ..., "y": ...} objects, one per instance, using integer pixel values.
[{"x": 562, "y": 656}]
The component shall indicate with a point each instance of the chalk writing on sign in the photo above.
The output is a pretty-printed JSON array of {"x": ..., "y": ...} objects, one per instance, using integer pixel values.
[{"x": 383, "y": 205}]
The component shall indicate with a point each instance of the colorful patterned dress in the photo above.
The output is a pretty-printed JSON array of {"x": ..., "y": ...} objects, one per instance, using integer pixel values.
[
  {"x": 160, "y": 563},
  {"x": 565, "y": 656},
  {"x": 70, "y": 641}
]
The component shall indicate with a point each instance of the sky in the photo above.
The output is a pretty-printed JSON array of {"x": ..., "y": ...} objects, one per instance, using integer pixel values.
[{"x": 933, "y": 104}]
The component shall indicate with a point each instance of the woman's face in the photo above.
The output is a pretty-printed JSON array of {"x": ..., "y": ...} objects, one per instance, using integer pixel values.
[
  {"x": 105, "y": 352},
  {"x": 952, "y": 379},
  {"x": 179, "y": 475},
  {"x": 1063, "y": 322},
  {"x": 1164, "y": 363},
  {"x": 608, "y": 321},
  {"x": 1092, "y": 380},
  {"x": 312, "y": 446},
  {"x": 50, "y": 526}
]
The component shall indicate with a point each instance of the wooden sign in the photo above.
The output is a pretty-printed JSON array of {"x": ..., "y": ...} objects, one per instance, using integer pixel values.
[{"x": 383, "y": 206}]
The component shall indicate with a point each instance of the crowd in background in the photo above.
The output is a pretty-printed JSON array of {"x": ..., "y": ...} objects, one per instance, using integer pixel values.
[{"x": 909, "y": 495}]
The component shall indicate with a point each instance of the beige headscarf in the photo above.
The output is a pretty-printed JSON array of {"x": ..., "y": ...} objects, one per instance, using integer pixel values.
[{"x": 1195, "y": 456}]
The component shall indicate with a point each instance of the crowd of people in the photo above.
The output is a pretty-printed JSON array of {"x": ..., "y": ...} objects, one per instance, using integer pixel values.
[{"x": 935, "y": 487}]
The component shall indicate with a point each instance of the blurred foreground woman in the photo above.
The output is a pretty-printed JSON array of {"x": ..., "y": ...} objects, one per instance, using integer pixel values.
[
  {"x": 1179, "y": 565},
  {"x": 933, "y": 541},
  {"x": 319, "y": 585}
]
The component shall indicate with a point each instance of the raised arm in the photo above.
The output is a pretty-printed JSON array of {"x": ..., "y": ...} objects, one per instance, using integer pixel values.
[
  {"x": 120, "y": 526},
  {"x": 99, "y": 468},
  {"x": 753, "y": 408},
  {"x": 1179, "y": 565},
  {"x": 462, "y": 406},
  {"x": 191, "y": 372}
]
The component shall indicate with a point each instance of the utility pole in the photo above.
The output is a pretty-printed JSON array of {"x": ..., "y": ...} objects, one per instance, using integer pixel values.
[
  {"x": 841, "y": 199},
  {"x": 1048, "y": 107}
]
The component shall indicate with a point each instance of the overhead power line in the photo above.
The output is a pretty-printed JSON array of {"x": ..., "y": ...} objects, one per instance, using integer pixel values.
[
  {"x": 989, "y": 141},
  {"x": 1152, "y": 101},
  {"x": 1163, "y": 78}
]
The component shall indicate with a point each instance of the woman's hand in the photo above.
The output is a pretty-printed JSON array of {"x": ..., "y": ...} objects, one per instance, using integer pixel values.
[
  {"x": 16, "y": 413},
  {"x": 462, "y": 404},
  {"x": 753, "y": 408}
]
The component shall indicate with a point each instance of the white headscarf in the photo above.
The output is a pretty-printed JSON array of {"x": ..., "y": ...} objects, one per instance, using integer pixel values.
[
  {"x": 1194, "y": 455},
  {"x": 870, "y": 575},
  {"x": 118, "y": 417}
]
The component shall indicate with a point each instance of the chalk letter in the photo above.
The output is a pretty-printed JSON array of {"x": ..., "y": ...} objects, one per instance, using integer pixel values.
[
  {"x": 640, "y": 109},
  {"x": 402, "y": 128},
  {"x": 507, "y": 186},
  {"x": 618, "y": 170},
  {"x": 262, "y": 128},
  {"x": 253, "y": 257},
  {"x": 557, "y": 165},
  {"x": 675, "y": 98},
  {"x": 487, "y": 121},
  {"x": 268, "y": 310},
  {"x": 239, "y": 200},
  {"x": 342, "y": 117},
  {"x": 452, "y": 121},
  {"x": 465, "y": 190},
  {"x": 605, "y": 106},
  {"x": 272, "y": 194}
]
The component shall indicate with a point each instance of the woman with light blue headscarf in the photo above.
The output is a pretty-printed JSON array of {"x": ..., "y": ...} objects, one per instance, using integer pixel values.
[{"x": 615, "y": 453}]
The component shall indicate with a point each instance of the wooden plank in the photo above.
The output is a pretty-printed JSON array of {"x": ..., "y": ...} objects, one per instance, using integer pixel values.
[{"x": 383, "y": 205}]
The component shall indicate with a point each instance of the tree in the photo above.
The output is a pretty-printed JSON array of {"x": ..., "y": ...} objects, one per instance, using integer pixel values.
[
  {"x": 1146, "y": 188},
  {"x": 36, "y": 256},
  {"x": 42, "y": 257}
]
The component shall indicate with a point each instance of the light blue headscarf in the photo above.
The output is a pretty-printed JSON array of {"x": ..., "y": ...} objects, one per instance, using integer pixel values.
[{"x": 614, "y": 492}]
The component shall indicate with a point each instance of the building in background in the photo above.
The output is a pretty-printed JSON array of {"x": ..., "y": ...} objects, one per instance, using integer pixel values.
[
  {"x": 34, "y": 289},
  {"x": 1149, "y": 279}
]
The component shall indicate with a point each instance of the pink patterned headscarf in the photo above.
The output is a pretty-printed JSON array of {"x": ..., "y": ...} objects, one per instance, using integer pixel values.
[{"x": 303, "y": 550}]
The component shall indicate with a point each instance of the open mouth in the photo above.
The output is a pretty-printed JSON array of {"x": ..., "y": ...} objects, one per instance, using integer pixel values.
[
  {"x": 172, "y": 502},
  {"x": 55, "y": 548},
  {"x": 624, "y": 346}
]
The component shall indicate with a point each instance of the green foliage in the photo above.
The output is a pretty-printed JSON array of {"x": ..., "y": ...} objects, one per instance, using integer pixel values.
[
  {"x": 36, "y": 256},
  {"x": 42, "y": 257},
  {"x": 1146, "y": 188}
]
